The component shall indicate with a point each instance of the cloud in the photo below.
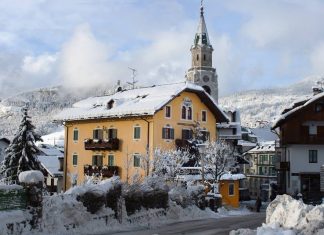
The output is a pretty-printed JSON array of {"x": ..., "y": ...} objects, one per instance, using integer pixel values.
[{"x": 39, "y": 65}]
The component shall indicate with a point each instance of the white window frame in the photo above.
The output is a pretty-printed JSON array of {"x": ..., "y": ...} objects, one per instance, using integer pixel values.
[
  {"x": 231, "y": 195},
  {"x": 165, "y": 112},
  {"x": 202, "y": 116},
  {"x": 76, "y": 130},
  {"x": 139, "y": 157},
  {"x": 136, "y": 126},
  {"x": 77, "y": 156}
]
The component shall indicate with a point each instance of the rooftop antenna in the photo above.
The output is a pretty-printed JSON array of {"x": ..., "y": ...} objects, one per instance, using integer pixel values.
[{"x": 134, "y": 75}]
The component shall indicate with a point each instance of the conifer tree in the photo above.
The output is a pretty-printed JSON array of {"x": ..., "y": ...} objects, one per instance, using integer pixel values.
[{"x": 21, "y": 153}]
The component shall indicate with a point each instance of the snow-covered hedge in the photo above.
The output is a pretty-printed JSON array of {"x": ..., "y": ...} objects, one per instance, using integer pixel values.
[
  {"x": 286, "y": 215},
  {"x": 32, "y": 176}
]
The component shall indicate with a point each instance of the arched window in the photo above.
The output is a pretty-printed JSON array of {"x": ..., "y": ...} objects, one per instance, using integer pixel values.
[
  {"x": 197, "y": 57},
  {"x": 183, "y": 112},
  {"x": 204, "y": 57},
  {"x": 189, "y": 116}
]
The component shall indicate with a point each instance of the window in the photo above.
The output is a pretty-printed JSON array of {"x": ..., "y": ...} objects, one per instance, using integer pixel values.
[
  {"x": 318, "y": 107},
  {"x": 111, "y": 160},
  {"x": 183, "y": 112},
  {"x": 75, "y": 135},
  {"x": 137, "y": 160},
  {"x": 186, "y": 134},
  {"x": 204, "y": 135},
  {"x": 110, "y": 104},
  {"x": 112, "y": 133},
  {"x": 263, "y": 159},
  {"x": 97, "y": 134},
  {"x": 312, "y": 156},
  {"x": 231, "y": 189},
  {"x": 204, "y": 116},
  {"x": 189, "y": 117},
  {"x": 167, "y": 133},
  {"x": 168, "y": 111},
  {"x": 137, "y": 132},
  {"x": 197, "y": 57},
  {"x": 75, "y": 159},
  {"x": 312, "y": 129},
  {"x": 97, "y": 160},
  {"x": 204, "y": 57},
  {"x": 260, "y": 170}
]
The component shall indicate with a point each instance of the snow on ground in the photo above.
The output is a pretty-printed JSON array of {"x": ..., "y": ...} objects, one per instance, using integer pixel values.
[
  {"x": 64, "y": 214},
  {"x": 287, "y": 216}
]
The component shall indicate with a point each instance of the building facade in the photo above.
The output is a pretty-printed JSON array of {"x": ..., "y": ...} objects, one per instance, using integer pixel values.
[
  {"x": 111, "y": 135},
  {"x": 261, "y": 170},
  {"x": 301, "y": 148}
]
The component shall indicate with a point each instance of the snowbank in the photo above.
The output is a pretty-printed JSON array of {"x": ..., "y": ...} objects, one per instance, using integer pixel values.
[
  {"x": 10, "y": 187},
  {"x": 287, "y": 216},
  {"x": 31, "y": 177}
]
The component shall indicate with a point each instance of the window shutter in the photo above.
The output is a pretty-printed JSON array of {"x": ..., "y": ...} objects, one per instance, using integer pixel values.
[
  {"x": 94, "y": 134},
  {"x": 100, "y": 134},
  {"x": 163, "y": 133},
  {"x": 190, "y": 134},
  {"x": 114, "y": 134},
  {"x": 99, "y": 160},
  {"x": 94, "y": 160},
  {"x": 171, "y": 133},
  {"x": 184, "y": 134}
]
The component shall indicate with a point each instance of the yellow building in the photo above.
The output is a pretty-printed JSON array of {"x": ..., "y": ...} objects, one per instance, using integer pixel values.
[{"x": 108, "y": 135}]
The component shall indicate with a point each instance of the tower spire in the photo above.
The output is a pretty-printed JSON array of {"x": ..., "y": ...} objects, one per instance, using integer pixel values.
[{"x": 202, "y": 71}]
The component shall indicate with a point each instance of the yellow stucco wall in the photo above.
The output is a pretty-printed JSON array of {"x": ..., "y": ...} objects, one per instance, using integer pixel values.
[
  {"x": 230, "y": 200},
  {"x": 129, "y": 146}
]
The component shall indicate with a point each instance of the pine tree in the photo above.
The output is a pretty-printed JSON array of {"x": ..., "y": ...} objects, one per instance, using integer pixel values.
[{"x": 21, "y": 153}]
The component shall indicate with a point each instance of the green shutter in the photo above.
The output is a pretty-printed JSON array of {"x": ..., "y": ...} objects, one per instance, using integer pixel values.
[
  {"x": 100, "y": 134},
  {"x": 163, "y": 133},
  {"x": 75, "y": 159},
  {"x": 75, "y": 135},
  {"x": 172, "y": 133}
]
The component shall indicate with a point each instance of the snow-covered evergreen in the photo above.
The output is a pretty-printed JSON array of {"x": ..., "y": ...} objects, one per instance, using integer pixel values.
[{"x": 21, "y": 153}]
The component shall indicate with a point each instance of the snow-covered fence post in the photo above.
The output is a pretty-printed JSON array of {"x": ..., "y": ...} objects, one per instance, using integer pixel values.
[{"x": 33, "y": 181}]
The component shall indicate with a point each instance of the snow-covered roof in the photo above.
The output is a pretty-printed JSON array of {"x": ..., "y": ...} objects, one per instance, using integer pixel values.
[
  {"x": 296, "y": 106},
  {"x": 51, "y": 164},
  {"x": 136, "y": 102},
  {"x": 264, "y": 134},
  {"x": 55, "y": 138},
  {"x": 48, "y": 150},
  {"x": 230, "y": 176},
  {"x": 268, "y": 146}
]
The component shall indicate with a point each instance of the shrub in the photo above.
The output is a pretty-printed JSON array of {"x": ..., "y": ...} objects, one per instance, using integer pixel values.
[{"x": 92, "y": 200}]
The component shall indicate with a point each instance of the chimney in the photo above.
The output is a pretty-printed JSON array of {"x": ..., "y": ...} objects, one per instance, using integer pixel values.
[{"x": 317, "y": 90}]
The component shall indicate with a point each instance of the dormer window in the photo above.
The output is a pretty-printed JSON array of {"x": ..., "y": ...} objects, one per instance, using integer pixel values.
[{"x": 110, "y": 104}]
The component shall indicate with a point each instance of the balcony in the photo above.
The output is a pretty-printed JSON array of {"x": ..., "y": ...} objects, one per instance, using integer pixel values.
[
  {"x": 104, "y": 171},
  {"x": 283, "y": 166},
  {"x": 111, "y": 144}
]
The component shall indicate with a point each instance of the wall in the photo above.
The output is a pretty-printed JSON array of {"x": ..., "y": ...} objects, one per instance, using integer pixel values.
[
  {"x": 226, "y": 198},
  {"x": 299, "y": 162}
]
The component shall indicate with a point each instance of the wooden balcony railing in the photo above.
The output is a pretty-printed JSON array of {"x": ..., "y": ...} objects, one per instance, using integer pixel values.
[
  {"x": 105, "y": 171},
  {"x": 111, "y": 144}
]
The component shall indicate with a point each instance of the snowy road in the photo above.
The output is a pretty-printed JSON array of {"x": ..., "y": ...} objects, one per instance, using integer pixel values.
[{"x": 219, "y": 226}]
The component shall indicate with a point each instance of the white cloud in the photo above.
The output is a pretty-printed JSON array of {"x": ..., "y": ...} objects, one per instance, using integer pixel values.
[
  {"x": 39, "y": 65},
  {"x": 84, "y": 61}
]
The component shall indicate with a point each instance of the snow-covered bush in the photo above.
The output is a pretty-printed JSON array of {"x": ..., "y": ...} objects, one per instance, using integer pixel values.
[{"x": 92, "y": 200}]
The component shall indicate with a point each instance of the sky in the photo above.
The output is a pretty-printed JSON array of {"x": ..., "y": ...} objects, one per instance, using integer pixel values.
[{"x": 83, "y": 43}]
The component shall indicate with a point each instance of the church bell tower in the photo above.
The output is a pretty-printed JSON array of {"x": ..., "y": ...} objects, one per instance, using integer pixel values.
[{"x": 202, "y": 72}]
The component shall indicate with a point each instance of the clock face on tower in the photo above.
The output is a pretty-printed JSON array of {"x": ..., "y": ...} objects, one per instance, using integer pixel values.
[{"x": 206, "y": 78}]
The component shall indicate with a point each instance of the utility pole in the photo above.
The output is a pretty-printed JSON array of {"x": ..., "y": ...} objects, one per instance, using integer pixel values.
[{"x": 133, "y": 77}]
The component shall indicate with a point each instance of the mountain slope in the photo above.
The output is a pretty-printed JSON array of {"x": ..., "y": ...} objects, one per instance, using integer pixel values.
[{"x": 258, "y": 107}]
